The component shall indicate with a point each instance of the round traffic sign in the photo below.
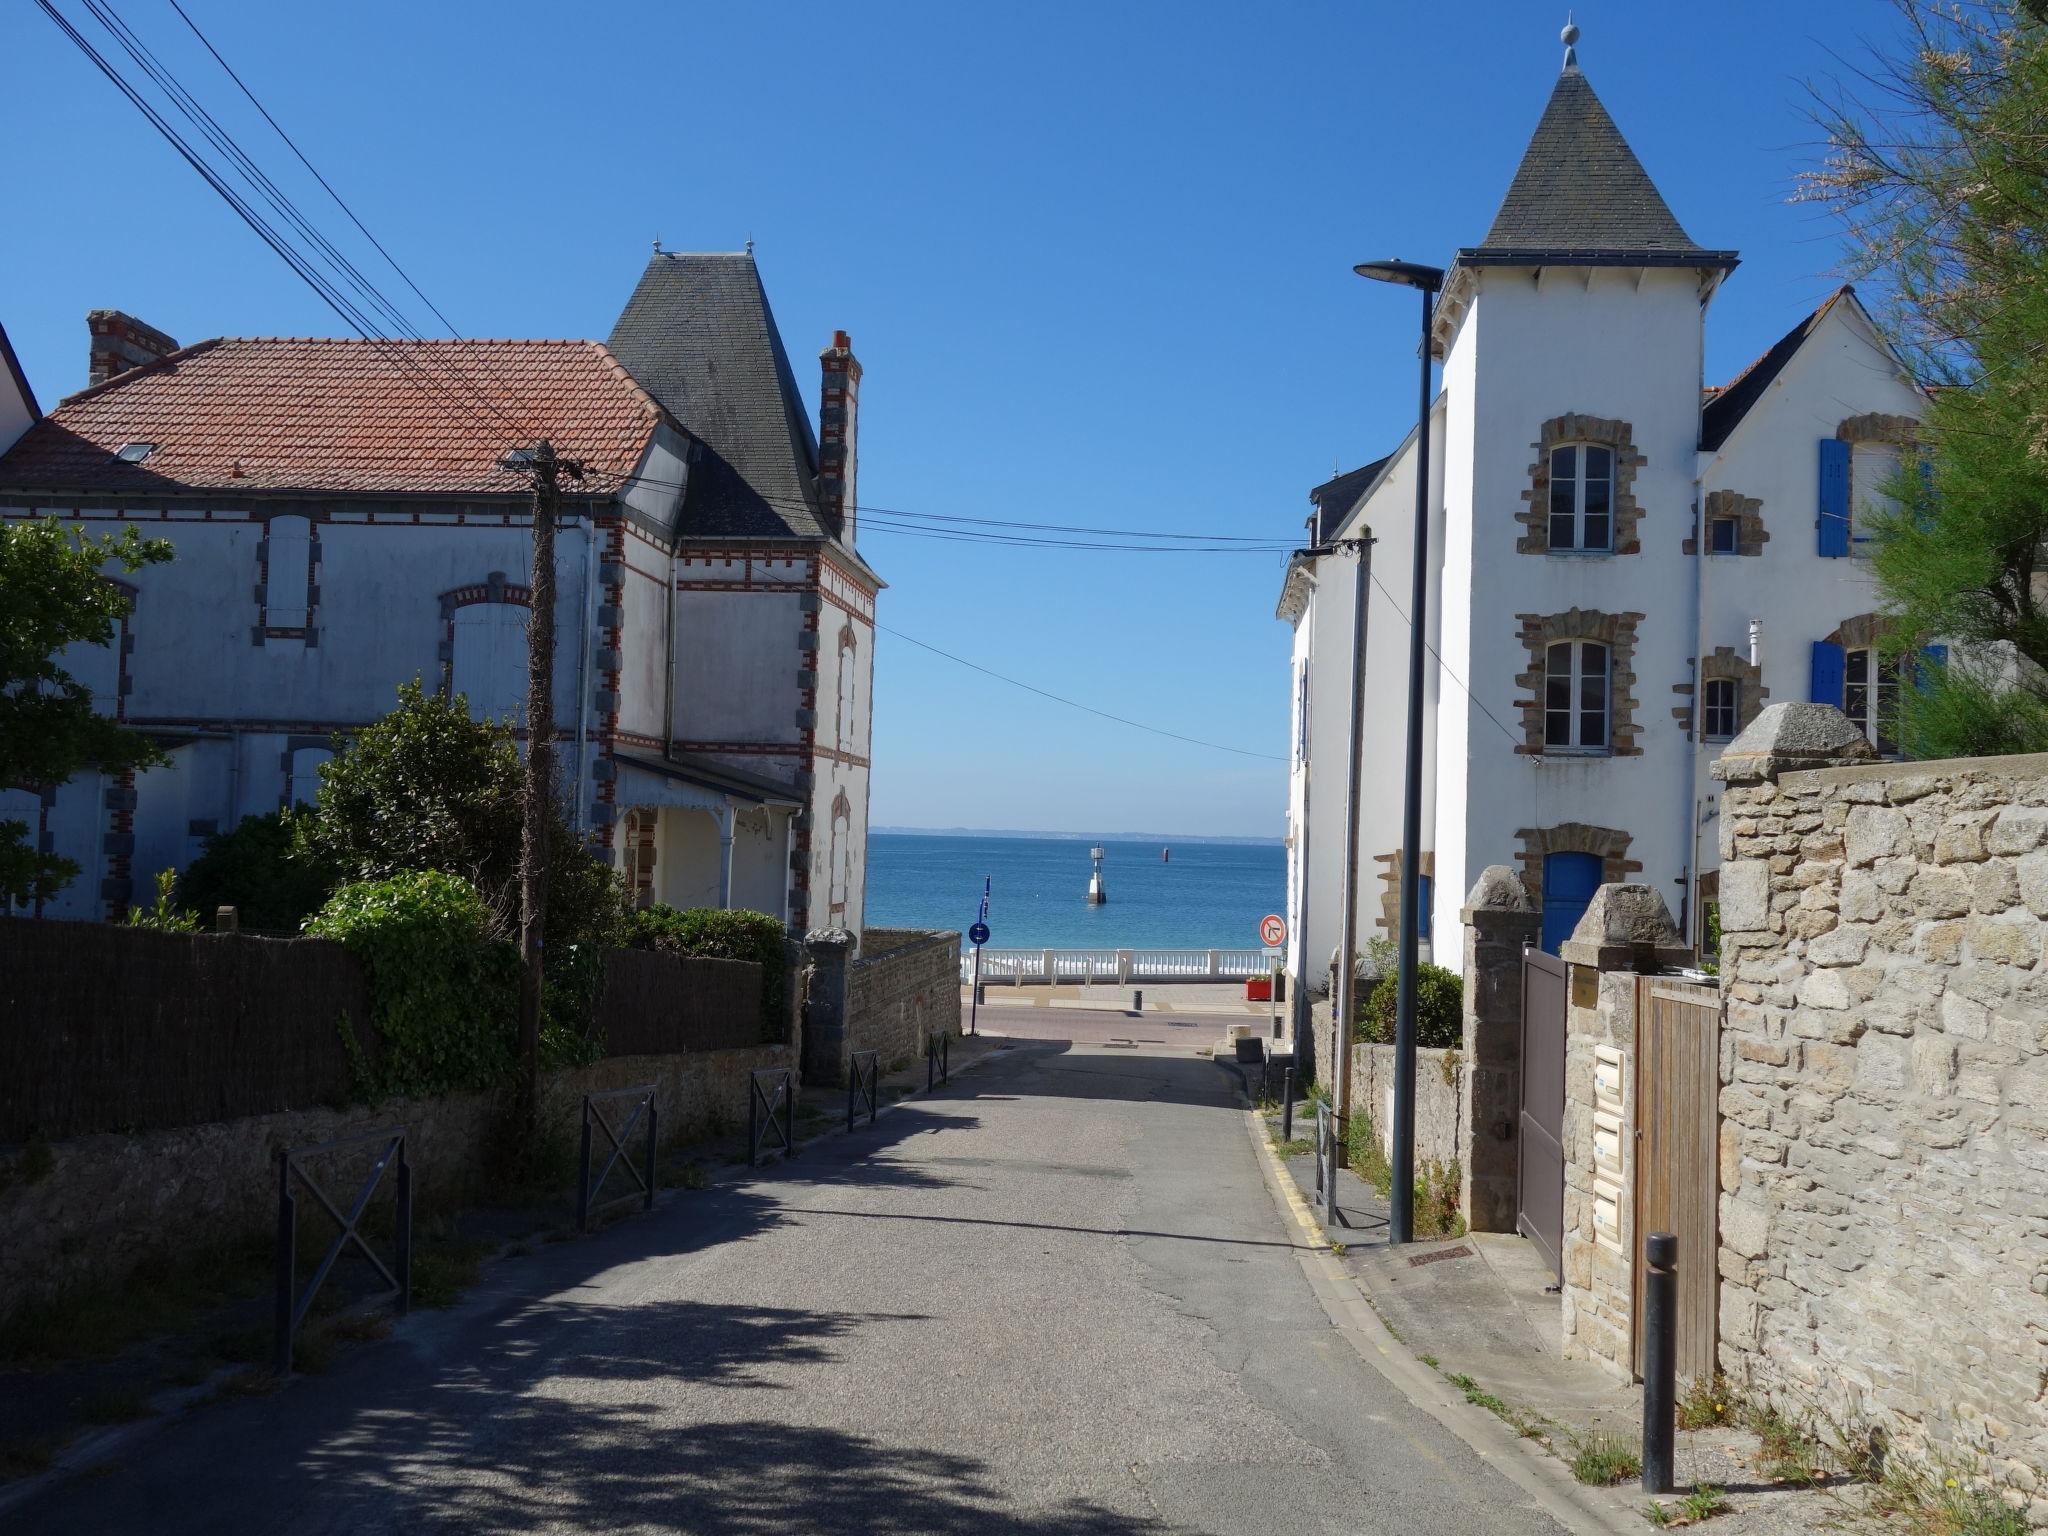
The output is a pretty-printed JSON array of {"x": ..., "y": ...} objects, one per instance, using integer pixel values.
[
  {"x": 978, "y": 934},
  {"x": 1273, "y": 930}
]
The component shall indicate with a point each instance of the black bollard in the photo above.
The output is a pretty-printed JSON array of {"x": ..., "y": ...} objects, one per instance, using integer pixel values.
[
  {"x": 1660, "y": 1360},
  {"x": 1287, "y": 1105}
]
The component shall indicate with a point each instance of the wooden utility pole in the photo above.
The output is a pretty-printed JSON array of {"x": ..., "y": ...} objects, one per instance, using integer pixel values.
[{"x": 537, "y": 796}]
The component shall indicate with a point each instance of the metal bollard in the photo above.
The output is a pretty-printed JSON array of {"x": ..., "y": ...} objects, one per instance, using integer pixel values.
[
  {"x": 1138, "y": 1001},
  {"x": 1660, "y": 1360},
  {"x": 1287, "y": 1105}
]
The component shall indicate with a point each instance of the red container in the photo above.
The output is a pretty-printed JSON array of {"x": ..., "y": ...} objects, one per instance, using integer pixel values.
[{"x": 1258, "y": 989}]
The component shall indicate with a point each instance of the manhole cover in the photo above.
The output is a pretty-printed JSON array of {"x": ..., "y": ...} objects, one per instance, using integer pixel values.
[{"x": 1459, "y": 1252}]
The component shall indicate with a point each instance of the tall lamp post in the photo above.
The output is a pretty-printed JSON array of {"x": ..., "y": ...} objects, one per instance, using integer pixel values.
[{"x": 1401, "y": 1221}]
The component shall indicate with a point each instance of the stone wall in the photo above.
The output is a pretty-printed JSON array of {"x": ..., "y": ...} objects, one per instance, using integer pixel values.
[
  {"x": 904, "y": 989},
  {"x": 1439, "y": 1100},
  {"x": 101, "y": 1205},
  {"x": 1884, "y": 1139}
]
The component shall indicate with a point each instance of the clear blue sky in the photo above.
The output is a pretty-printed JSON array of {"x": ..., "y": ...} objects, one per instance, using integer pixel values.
[{"x": 1095, "y": 259}]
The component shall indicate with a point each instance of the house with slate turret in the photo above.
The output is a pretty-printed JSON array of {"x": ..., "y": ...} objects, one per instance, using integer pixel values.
[
  {"x": 344, "y": 520},
  {"x": 1625, "y": 565}
]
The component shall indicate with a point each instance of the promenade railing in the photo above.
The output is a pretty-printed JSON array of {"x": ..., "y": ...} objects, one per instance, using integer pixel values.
[{"x": 1113, "y": 967}]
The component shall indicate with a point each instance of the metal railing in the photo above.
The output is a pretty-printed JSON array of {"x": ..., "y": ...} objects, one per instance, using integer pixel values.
[
  {"x": 938, "y": 1060},
  {"x": 594, "y": 1118},
  {"x": 863, "y": 1084},
  {"x": 771, "y": 1111},
  {"x": 293, "y": 1304},
  {"x": 1114, "y": 967}
]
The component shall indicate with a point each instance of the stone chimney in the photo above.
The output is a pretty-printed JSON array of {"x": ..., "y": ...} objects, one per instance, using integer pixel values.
[
  {"x": 838, "y": 427},
  {"x": 121, "y": 342}
]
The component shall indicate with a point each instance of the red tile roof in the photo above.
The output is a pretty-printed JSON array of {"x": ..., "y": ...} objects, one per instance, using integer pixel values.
[{"x": 249, "y": 414}]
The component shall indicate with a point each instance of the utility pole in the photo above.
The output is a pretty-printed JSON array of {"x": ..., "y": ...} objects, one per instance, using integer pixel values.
[
  {"x": 537, "y": 794},
  {"x": 1347, "y": 958}
]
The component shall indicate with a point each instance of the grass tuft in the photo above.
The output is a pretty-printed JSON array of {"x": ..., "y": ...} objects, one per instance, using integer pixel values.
[
  {"x": 1703, "y": 1503},
  {"x": 1603, "y": 1461},
  {"x": 1706, "y": 1403},
  {"x": 1944, "y": 1502}
]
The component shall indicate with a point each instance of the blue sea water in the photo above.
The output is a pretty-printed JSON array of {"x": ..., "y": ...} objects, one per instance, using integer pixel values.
[{"x": 1208, "y": 896}]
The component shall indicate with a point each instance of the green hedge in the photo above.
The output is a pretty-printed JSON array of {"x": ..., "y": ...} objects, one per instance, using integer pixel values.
[
  {"x": 715, "y": 934},
  {"x": 254, "y": 869},
  {"x": 1439, "y": 1008},
  {"x": 444, "y": 995}
]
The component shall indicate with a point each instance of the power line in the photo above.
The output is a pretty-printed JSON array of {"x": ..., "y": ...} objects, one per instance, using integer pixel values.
[
  {"x": 1415, "y": 638},
  {"x": 973, "y": 666}
]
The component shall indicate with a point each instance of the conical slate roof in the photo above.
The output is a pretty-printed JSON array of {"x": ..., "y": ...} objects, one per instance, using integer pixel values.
[
  {"x": 1581, "y": 191},
  {"x": 699, "y": 336}
]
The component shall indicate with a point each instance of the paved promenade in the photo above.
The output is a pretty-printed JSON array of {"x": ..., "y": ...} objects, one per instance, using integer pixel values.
[{"x": 1056, "y": 1298}]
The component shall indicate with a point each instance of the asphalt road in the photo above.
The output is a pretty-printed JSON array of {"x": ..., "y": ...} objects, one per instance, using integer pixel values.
[{"x": 1058, "y": 1298}]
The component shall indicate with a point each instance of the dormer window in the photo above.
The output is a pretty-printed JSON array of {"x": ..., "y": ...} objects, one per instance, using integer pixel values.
[
  {"x": 1581, "y": 498},
  {"x": 134, "y": 453}
]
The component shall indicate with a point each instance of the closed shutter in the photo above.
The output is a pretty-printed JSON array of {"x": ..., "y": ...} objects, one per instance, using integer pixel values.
[
  {"x": 1834, "y": 498},
  {"x": 1932, "y": 658},
  {"x": 1828, "y": 668}
]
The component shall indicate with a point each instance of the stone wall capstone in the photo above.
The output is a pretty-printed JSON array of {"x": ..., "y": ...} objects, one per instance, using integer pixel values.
[{"x": 1884, "y": 1099}]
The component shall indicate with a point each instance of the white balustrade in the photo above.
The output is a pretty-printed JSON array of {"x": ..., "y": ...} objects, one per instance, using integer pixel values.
[{"x": 1122, "y": 967}]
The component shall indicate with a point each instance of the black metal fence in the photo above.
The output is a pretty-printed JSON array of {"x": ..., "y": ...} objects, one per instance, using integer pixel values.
[
  {"x": 771, "y": 1106},
  {"x": 292, "y": 1303},
  {"x": 863, "y": 1085},
  {"x": 938, "y": 1052},
  {"x": 594, "y": 1119}
]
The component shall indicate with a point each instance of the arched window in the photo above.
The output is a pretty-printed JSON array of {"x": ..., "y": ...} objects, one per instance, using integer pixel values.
[
  {"x": 488, "y": 659},
  {"x": 1575, "y": 696},
  {"x": 849, "y": 656},
  {"x": 1582, "y": 497}
]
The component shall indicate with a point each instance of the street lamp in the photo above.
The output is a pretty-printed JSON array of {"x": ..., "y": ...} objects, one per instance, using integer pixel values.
[{"x": 1401, "y": 1221}]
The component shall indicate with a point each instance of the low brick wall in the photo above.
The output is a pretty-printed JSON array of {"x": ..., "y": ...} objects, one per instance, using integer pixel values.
[
  {"x": 1439, "y": 1100},
  {"x": 106, "y": 1204},
  {"x": 1884, "y": 1070},
  {"x": 898, "y": 997}
]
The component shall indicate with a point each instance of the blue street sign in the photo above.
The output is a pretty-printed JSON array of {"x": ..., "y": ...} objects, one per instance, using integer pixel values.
[{"x": 978, "y": 934}]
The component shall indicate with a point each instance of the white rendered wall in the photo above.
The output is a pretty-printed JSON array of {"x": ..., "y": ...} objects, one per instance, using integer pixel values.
[{"x": 1460, "y": 725}]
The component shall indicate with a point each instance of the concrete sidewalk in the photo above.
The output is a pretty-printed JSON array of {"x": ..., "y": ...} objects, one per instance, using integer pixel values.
[{"x": 1483, "y": 1309}]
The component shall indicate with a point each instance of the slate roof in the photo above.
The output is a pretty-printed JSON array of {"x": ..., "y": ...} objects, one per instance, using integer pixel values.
[
  {"x": 1334, "y": 499},
  {"x": 1581, "y": 192},
  {"x": 1723, "y": 409},
  {"x": 699, "y": 334},
  {"x": 255, "y": 414}
]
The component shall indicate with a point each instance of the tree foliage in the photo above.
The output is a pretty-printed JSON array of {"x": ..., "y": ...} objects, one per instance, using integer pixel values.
[
  {"x": 54, "y": 593},
  {"x": 1439, "y": 999},
  {"x": 1938, "y": 166},
  {"x": 256, "y": 868}
]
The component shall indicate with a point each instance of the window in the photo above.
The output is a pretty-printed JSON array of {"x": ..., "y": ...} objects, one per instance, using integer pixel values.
[
  {"x": 1872, "y": 468},
  {"x": 1575, "y": 697},
  {"x": 1870, "y": 697},
  {"x": 1722, "y": 535},
  {"x": 288, "y": 572},
  {"x": 1581, "y": 497},
  {"x": 303, "y": 784},
  {"x": 134, "y": 453},
  {"x": 1724, "y": 700},
  {"x": 489, "y": 661},
  {"x": 1301, "y": 716}
]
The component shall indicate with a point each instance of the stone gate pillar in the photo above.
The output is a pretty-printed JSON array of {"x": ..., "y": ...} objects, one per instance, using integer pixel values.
[
  {"x": 827, "y": 951},
  {"x": 1499, "y": 920}
]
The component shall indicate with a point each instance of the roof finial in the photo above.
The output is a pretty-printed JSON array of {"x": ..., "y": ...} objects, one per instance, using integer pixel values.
[
  {"x": 657, "y": 245},
  {"x": 750, "y": 245},
  {"x": 1570, "y": 36}
]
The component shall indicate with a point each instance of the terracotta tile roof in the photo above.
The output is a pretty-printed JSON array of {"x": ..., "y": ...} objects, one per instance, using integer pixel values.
[
  {"x": 308, "y": 414},
  {"x": 1723, "y": 406}
]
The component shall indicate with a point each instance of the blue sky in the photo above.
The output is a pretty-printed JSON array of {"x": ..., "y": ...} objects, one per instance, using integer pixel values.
[{"x": 1095, "y": 259}]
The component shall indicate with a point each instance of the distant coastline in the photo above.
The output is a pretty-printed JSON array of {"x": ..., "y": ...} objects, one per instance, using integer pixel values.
[{"x": 1165, "y": 839}]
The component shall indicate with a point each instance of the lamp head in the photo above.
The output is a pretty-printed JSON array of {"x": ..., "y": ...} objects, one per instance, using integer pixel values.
[{"x": 1409, "y": 274}]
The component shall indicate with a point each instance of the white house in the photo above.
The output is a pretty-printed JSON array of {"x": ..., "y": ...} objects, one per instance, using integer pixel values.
[
  {"x": 343, "y": 521},
  {"x": 1624, "y": 565}
]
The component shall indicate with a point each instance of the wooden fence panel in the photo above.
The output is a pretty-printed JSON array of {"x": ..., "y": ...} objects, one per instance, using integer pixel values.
[{"x": 1678, "y": 1091}]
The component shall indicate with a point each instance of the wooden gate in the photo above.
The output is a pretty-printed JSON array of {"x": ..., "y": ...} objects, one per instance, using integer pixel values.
[
  {"x": 1678, "y": 1090},
  {"x": 1539, "y": 1203}
]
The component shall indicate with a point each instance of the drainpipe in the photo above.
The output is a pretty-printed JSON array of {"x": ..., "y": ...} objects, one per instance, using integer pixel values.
[
  {"x": 668, "y": 685},
  {"x": 788, "y": 853},
  {"x": 1695, "y": 738}
]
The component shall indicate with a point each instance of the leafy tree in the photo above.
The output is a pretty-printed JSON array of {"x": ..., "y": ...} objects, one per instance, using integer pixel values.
[
  {"x": 52, "y": 595},
  {"x": 1940, "y": 174},
  {"x": 256, "y": 869}
]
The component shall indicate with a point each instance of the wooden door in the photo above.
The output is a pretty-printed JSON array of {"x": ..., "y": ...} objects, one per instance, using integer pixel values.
[{"x": 1677, "y": 1184}]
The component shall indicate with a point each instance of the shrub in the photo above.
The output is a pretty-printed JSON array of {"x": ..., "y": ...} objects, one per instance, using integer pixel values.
[
  {"x": 166, "y": 916},
  {"x": 257, "y": 870},
  {"x": 710, "y": 933},
  {"x": 444, "y": 994},
  {"x": 1439, "y": 1007}
]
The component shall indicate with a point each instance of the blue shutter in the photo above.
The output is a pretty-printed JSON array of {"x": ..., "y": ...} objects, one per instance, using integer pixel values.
[
  {"x": 1834, "y": 500},
  {"x": 1425, "y": 898},
  {"x": 1828, "y": 666},
  {"x": 1931, "y": 657}
]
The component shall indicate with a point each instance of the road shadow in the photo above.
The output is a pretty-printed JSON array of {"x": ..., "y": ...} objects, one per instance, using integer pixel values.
[{"x": 1068, "y": 1069}]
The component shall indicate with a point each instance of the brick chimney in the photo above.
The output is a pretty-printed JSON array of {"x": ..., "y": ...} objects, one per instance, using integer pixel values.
[
  {"x": 121, "y": 342},
  {"x": 838, "y": 429}
]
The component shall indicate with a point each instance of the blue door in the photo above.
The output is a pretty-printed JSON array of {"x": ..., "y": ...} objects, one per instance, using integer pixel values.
[{"x": 1569, "y": 881}]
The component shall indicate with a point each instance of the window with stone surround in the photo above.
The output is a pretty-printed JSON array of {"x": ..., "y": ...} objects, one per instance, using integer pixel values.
[
  {"x": 1734, "y": 524},
  {"x": 1734, "y": 695},
  {"x": 1724, "y": 696},
  {"x": 1579, "y": 684},
  {"x": 1581, "y": 495}
]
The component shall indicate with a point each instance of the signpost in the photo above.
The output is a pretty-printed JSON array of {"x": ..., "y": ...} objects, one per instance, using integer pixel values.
[
  {"x": 1273, "y": 934},
  {"x": 978, "y": 936}
]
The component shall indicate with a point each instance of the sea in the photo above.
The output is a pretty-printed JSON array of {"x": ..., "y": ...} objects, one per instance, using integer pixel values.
[{"x": 1208, "y": 895}]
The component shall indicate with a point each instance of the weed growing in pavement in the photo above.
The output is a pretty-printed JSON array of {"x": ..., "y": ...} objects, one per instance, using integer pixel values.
[
  {"x": 1301, "y": 1146},
  {"x": 1527, "y": 1425},
  {"x": 1428, "y": 1360},
  {"x": 1337, "y": 1249},
  {"x": 26, "y": 1457},
  {"x": 1703, "y": 1503},
  {"x": 1944, "y": 1501},
  {"x": 693, "y": 1175},
  {"x": 1788, "y": 1452},
  {"x": 1706, "y": 1403},
  {"x": 115, "y": 1405},
  {"x": 1604, "y": 1461}
]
